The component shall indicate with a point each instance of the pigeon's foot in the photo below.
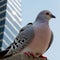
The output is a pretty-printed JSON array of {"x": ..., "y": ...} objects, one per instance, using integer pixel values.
[
  {"x": 42, "y": 56},
  {"x": 29, "y": 54},
  {"x": 39, "y": 55}
]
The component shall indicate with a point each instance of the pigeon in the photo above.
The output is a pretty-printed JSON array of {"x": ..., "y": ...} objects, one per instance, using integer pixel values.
[{"x": 33, "y": 39}]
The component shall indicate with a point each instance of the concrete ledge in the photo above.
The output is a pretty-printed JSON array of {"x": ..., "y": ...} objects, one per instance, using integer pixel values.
[{"x": 22, "y": 57}]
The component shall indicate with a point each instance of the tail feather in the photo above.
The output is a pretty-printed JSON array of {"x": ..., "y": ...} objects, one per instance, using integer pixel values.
[{"x": 3, "y": 53}]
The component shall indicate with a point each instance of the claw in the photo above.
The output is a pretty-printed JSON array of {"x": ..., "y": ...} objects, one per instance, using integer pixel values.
[{"x": 29, "y": 54}]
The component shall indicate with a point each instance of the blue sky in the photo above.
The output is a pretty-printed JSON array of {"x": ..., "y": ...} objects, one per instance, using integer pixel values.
[{"x": 30, "y": 9}]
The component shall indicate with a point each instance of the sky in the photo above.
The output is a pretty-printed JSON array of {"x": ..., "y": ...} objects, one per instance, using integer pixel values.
[{"x": 30, "y": 9}]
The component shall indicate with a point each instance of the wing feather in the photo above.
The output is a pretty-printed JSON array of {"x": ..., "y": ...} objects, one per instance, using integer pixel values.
[{"x": 24, "y": 37}]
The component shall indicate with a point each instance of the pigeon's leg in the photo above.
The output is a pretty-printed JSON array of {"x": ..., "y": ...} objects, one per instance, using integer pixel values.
[{"x": 29, "y": 54}]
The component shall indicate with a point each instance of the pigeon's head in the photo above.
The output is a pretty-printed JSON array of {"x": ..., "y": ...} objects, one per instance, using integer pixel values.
[{"x": 46, "y": 14}]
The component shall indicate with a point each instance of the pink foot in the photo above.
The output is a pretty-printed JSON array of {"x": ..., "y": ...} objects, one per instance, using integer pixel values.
[
  {"x": 26, "y": 53},
  {"x": 29, "y": 54}
]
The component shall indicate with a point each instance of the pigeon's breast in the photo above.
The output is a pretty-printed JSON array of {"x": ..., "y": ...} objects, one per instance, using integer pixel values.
[{"x": 41, "y": 39}]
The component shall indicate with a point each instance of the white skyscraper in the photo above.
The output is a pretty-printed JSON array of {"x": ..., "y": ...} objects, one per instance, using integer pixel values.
[{"x": 12, "y": 20}]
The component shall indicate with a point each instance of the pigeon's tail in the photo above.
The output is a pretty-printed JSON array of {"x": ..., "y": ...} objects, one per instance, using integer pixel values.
[{"x": 3, "y": 53}]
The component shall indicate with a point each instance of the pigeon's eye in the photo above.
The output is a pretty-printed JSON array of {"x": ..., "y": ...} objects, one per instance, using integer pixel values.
[{"x": 47, "y": 13}]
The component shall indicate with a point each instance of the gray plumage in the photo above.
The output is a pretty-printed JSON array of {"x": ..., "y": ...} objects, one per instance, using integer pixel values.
[
  {"x": 22, "y": 40},
  {"x": 36, "y": 36}
]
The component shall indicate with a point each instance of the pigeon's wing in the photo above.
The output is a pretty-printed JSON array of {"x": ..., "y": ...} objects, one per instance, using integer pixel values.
[
  {"x": 26, "y": 27},
  {"x": 21, "y": 30},
  {"x": 50, "y": 40},
  {"x": 24, "y": 37}
]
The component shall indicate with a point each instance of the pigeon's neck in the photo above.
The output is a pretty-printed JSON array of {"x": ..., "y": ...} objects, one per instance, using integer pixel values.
[{"x": 42, "y": 20}]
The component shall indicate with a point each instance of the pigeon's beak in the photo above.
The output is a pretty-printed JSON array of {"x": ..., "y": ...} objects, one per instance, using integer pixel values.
[{"x": 52, "y": 16}]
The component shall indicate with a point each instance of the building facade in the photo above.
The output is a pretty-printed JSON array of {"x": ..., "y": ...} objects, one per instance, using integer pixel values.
[{"x": 11, "y": 17}]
